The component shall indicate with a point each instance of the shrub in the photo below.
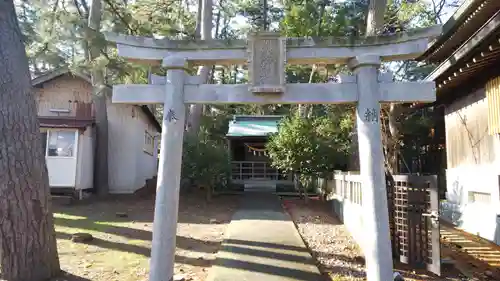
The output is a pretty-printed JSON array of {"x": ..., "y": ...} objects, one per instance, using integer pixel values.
[
  {"x": 205, "y": 164},
  {"x": 310, "y": 147}
]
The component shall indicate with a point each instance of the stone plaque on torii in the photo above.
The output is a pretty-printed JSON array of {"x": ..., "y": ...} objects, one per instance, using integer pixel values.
[{"x": 267, "y": 54}]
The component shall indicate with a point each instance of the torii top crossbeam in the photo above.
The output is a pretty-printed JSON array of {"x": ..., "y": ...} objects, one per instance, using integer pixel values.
[
  {"x": 331, "y": 50},
  {"x": 267, "y": 54}
]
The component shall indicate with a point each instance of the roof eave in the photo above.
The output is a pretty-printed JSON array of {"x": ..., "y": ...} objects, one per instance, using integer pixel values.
[
  {"x": 451, "y": 24},
  {"x": 56, "y": 73},
  {"x": 150, "y": 115},
  {"x": 467, "y": 47}
]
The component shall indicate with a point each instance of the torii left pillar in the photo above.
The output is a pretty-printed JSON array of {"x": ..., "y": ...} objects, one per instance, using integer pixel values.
[{"x": 169, "y": 171}]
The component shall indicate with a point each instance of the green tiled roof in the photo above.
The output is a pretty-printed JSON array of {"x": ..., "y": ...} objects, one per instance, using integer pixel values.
[{"x": 253, "y": 126}]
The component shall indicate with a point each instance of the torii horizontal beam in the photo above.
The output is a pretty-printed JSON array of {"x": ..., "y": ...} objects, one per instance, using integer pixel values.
[
  {"x": 399, "y": 46},
  {"x": 323, "y": 93}
]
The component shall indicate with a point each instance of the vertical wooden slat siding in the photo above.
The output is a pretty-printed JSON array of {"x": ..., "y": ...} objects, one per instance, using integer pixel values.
[
  {"x": 468, "y": 139},
  {"x": 493, "y": 97},
  {"x": 65, "y": 92}
]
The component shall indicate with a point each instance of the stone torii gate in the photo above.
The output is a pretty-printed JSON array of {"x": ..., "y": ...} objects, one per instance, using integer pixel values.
[{"x": 267, "y": 54}]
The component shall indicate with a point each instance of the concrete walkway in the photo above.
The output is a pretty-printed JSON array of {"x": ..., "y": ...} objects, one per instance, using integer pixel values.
[{"x": 262, "y": 244}]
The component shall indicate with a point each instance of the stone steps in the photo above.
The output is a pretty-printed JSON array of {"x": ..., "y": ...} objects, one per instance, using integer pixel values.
[
  {"x": 62, "y": 200},
  {"x": 148, "y": 189},
  {"x": 260, "y": 186}
]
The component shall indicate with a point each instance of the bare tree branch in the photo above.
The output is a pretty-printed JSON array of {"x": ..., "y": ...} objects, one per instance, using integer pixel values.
[
  {"x": 77, "y": 6},
  {"x": 85, "y": 6},
  {"x": 132, "y": 31}
]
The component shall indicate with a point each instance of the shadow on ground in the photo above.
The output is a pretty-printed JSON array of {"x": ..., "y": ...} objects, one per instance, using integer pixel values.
[
  {"x": 142, "y": 209},
  {"x": 66, "y": 276},
  {"x": 296, "y": 274},
  {"x": 182, "y": 242},
  {"x": 474, "y": 255},
  {"x": 121, "y": 246},
  {"x": 262, "y": 245}
]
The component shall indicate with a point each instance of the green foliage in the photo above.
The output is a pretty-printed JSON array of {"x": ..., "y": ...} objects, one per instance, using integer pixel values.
[
  {"x": 214, "y": 125},
  {"x": 309, "y": 146},
  {"x": 162, "y": 17},
  {"x": 56, "y": 35},
  {"x": 258, "y": 17},
  {"x": 205, "y": 163},
  {"x": 323, "y": 18}
]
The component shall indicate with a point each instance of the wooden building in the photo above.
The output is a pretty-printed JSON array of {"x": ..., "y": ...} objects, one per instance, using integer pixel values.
[
  {"x": 66, "y": 115},
  {"x": 251, "y": 169},
  {"x": 467, "y": 55}
]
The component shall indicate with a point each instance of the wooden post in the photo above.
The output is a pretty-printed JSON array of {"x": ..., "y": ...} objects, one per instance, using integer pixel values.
[
  {"x": 375, "y": 218},
  {"x": 169, "y": 173}
]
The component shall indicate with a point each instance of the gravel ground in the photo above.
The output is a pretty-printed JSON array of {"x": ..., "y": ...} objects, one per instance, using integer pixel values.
[
  {"x": 331, "y": 245},
  {"x": 336, "y": 252}
]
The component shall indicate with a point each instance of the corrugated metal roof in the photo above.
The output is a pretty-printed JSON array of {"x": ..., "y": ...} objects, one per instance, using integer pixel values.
[{"x": 253, "y": 126}]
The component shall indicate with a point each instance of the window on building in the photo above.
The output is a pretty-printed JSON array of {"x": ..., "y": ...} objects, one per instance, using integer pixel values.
[
  {"x": 148, "y": 143},
  {"x": 61, "y": 143},
  {"x": 479, "y": 197},
  {"x": 44, "y": 142}
]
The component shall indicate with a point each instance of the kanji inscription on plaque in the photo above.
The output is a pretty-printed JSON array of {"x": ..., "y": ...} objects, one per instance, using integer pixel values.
[{"x": 266, "y": 62}]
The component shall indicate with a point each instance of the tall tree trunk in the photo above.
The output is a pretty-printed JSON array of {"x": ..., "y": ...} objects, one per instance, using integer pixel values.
[
  {"x": 375, "y": 21},
  {"x": 205, "y": 27},
  {"x": 374, "y": 24},
  {"x": 27, "y": 240},
  {"x": 99, "y": 98},
  {"x": 305, "y": 110},
  {"x": 392, "y": 146},
  {"x": 375, "y": 17},
  {"x": 199, "y": 18}
]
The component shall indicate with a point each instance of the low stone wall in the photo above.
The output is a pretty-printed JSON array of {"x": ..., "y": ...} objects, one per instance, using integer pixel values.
[
  {"x": 346, "y": 196},
  {"x": 351, "y": 215}
]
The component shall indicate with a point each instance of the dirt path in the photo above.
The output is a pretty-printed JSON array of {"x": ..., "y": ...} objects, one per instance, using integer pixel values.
[{"x": 121, "y": 246}]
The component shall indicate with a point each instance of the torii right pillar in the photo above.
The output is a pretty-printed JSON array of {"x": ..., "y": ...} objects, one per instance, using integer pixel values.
[{"x": 377, "y": 245}]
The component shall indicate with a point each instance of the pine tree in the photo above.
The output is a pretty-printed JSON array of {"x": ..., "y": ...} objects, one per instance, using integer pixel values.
[{"x": 28, "y": 245}]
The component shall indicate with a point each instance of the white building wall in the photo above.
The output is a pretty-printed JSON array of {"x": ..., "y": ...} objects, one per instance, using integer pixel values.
[
  {"x": 473, "y": 168},
  {"x": 62, "y": 170},
  {"x": 472, "y": 200},
  {"x": 85, "y": 160},
  {"x": 129, "y": 165}
]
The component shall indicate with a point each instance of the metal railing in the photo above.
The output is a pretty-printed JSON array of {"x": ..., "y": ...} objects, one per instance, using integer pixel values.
[{"x": 251, "y": 170}]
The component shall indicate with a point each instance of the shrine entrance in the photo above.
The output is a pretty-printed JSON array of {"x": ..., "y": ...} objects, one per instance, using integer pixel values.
[
  {"x": 251, "y": 168},
  {"x": 267, "y": 54}
]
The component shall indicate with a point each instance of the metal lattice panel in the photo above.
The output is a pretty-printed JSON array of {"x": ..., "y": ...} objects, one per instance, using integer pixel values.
[{"x": 409, "y": 203}]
